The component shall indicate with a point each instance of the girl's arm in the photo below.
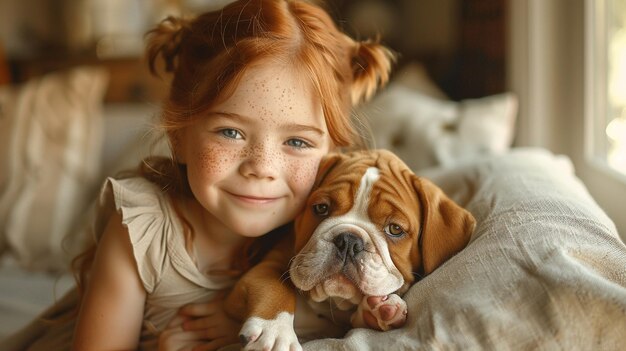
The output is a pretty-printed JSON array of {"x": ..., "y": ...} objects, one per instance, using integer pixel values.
[{"x": 111, "y": 313}]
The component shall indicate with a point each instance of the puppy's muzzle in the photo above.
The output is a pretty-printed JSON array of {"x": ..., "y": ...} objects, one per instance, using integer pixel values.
[{"x": 348, "y": 246}]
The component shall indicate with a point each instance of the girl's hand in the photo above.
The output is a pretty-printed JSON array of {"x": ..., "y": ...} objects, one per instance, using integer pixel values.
[
  {"x": 211, "y": 322},
  {"x": 174, "y": 338}
]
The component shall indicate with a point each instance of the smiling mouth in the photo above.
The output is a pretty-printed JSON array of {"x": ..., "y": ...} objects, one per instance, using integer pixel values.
[{"x": 253, "y": 199}]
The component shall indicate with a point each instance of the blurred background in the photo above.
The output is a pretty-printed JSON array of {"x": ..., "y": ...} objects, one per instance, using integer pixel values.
[{"x": 462, "y": 43}]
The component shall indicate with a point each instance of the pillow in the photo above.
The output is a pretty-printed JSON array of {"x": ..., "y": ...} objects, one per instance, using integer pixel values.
[
  {"x": 50, "y": 146},
  {"x": 415, "y": 77},
  {"x": 426, "y": 131}
]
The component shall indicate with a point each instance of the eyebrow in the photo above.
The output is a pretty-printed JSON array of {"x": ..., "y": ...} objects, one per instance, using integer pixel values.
[{"x": 292, "y": 127}]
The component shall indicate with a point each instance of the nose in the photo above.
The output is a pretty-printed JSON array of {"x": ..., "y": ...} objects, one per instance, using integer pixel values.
[
  {"x": 348, "y": 245},
  {"x": 260, "y": 161}
]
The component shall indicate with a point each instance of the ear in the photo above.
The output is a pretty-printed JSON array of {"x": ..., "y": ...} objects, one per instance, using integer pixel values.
[
  {"x": 327, "y": 164},
  {"x": 446, "y": 227},
  {"x": 304, "y": 223}
]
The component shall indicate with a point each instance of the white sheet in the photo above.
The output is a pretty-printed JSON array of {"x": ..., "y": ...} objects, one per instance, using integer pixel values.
[
  {"x": 545, "y": 268},
  {"x": 24, "y": 294}
]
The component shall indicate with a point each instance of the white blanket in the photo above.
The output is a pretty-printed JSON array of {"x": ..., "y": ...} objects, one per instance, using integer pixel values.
[{"x": 545, "y": 268}]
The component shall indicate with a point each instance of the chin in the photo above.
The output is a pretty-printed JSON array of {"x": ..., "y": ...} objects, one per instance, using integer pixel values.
[
  {"x": 258, "y": 225},
  {"x": 256, "y": 229}
]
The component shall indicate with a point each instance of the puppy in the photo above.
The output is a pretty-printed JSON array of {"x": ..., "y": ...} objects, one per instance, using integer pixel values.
[{"x": 369, "y": 230}]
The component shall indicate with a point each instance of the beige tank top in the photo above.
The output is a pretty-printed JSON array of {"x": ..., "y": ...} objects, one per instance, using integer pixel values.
[{"x": 168, "y": 273}]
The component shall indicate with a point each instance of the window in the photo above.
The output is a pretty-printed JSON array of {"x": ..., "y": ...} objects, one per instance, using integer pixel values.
[
  {"x": 559, "y": 66},
  {"x": 606, "y": 80}
]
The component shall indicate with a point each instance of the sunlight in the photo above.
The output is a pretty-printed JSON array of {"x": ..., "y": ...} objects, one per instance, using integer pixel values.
[{"x": 616, "y": 127}]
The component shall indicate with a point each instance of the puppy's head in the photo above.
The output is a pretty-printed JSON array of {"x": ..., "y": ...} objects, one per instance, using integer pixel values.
[{"x": 370, "y": 224}]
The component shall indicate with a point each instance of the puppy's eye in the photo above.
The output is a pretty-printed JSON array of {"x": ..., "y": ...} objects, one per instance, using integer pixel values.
[
  {"x": 320, "y": 209},
  {"x": 394, "y": 230}
]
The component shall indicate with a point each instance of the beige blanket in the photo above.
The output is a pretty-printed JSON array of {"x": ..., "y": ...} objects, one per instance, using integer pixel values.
[{"x": 545, "y": 269}]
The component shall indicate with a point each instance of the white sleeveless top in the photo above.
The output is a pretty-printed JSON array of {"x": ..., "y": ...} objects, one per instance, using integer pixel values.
[{"x": 169, "y": 275}]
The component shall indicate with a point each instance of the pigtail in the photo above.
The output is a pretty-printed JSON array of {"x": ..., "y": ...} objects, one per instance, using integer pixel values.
[
  {"x": 371, "y": 66},
  {"x": 165, "y": 41}
]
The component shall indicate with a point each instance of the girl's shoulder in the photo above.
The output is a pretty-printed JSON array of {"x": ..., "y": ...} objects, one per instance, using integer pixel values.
[
  {"x": 134, "y": 192},
  {"x": 147, "y": 214},
  {"x": 145, "y": 208}
]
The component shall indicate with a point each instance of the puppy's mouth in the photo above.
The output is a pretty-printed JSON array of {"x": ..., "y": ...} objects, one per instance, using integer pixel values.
[
  {"x": 344, "y": 284},
  {"x": 349, "y": 285},
  {"x": 342, "y": 262},
  {"x": 340, "y": 289}
]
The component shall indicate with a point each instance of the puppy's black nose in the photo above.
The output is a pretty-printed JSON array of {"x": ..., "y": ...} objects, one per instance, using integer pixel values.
[{"x": 348, "y": 245}]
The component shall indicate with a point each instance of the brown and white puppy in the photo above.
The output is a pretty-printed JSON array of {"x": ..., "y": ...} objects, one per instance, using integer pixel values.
[{"x": 370, "y": 227}]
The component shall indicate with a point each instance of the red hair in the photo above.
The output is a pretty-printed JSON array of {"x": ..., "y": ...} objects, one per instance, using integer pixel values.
[{"x": 208, "y": 55}]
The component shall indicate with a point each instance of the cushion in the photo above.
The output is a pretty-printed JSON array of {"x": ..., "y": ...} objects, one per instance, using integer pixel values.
[
  {"x": 427, "y": 131},
  {"x": 544, "y": 268},
  {"x": 415, "y": 76},
  {"x": 50, "y": 146}
]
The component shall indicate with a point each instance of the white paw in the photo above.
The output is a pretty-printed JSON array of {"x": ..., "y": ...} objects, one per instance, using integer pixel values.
[
  {"x": 264, "y": 335},
  {"x": 380, "y": 312}
]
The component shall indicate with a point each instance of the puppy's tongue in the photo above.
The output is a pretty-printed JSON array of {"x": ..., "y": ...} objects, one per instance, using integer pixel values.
[{"x": 341, "y": 279}]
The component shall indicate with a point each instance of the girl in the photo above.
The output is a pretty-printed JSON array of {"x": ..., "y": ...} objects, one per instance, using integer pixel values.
[{"x": 260, "y": 91}]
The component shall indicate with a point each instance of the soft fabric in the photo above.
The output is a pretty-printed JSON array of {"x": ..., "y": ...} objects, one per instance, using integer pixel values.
[
  {"x": 545, "y": 269},
  {"x": 426, "y": 131},
  {"x": 50, "y": 146},
  {"x": 166, "y": 270},
  {"x": 24, "y": 294}
]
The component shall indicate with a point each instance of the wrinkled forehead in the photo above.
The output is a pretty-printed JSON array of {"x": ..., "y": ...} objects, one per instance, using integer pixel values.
[
  {"x": 364, "y": 190},
  {"x": 377, "y": 179},
  {"x": 356, "y": 165}
]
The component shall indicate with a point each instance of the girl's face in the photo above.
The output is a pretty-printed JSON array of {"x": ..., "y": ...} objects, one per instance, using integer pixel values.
[{"x": 252, "y": 160}]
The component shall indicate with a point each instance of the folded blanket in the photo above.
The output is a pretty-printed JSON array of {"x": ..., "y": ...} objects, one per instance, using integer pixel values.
[{"x": 545, "y": 268}]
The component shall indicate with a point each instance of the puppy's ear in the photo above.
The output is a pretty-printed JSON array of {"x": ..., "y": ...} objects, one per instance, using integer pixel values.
[
  {"x": 446, "y": 227},
  {"x": 326, "y": 165}
]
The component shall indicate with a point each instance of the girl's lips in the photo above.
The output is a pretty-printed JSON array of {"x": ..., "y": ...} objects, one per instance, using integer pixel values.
[{"x": 253, "y": 199}]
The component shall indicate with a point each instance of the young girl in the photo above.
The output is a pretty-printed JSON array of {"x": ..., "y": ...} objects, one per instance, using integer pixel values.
[{"x": 261, "y": 90}]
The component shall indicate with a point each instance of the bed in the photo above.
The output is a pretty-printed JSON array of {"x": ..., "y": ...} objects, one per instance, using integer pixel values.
[{"x": 545, "y": 268}]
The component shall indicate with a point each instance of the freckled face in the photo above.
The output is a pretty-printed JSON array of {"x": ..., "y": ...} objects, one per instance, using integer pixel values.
[{"x": 252, "y": 161}]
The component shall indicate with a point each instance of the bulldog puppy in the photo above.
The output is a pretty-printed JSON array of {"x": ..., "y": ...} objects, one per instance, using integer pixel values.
[{"x": 370, "y": 229}]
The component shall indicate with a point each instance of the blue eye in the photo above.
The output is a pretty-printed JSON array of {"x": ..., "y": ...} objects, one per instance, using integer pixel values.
[
  {"x": 298, "y": 143},
  {"x": 231, "y": 133}
]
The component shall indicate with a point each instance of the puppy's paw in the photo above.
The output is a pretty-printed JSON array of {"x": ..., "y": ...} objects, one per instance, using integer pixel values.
[
  {"x": 277, "y": 334},
  {"x": 380, "y": 312}
]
